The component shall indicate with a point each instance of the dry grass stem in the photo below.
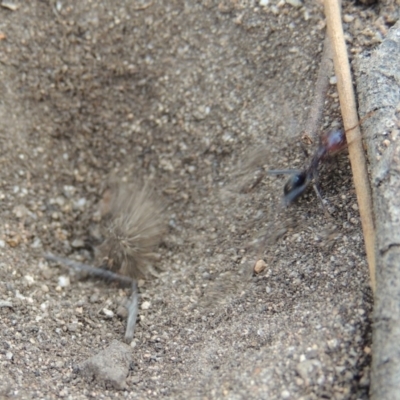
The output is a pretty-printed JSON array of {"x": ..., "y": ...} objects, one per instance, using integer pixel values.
[{"x": 350, "y": 119}]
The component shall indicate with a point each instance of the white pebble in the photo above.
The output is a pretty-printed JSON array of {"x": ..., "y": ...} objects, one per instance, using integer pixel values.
[
  {"x": 63, "y": 281},
  {"x": 36, "y": 243},
  {"x": 333, "y": 80},
  {"x": 146, "y": 305},
  {"x": 29, "y": 279},
  {"x": 108, "y": 313},
  {"x": 294, "y": 3},
  {"x": 80, "y": 204}
]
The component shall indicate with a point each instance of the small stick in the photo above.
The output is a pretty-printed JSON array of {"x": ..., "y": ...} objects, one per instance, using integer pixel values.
[
  {"x": 92, "y": 271},
  {"x": 350, "y": 119},
  {"x": 132, "y": 313},
  {"x": 110, "y": 276},
  {"x": 283, "y": 171}
]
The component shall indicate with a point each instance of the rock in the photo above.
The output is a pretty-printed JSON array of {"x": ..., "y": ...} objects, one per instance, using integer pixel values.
[
  {"x": 78, "y": 243},
  {"x": 63, "y": 281},
  {"x": 260, "y": 266},
  {"x": 122, "y": 312},
  {"x": 110, "y": 367},
  {"x": 146, "y": 305},
  {"x": 108, "y": 313}
]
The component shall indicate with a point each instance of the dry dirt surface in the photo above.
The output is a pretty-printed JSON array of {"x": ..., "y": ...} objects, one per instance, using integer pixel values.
[{"x": 198, "y": 98}]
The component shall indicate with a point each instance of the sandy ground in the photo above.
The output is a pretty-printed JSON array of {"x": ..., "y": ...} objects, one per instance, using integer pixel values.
[{"x": 185, "y": 96}]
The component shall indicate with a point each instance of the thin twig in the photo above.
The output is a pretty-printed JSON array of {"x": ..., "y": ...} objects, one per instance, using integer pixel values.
[
  {"x": 132, "y": 313},
  {"x": 350, "y": 119},
  {"x": 92, "y": 271}
]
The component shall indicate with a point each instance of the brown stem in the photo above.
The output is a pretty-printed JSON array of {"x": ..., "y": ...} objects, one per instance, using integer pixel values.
[{"x": 350, "y": 119}]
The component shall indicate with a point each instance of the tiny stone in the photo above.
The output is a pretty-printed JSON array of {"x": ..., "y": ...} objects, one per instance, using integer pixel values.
[
  {"x": 69, "y": 191},
  {"x": 122, "y": 312},
  {"x": 294, "y": 3},
  {"x": 109, "y": 367},
  {"x": 285, "y": 394},
  {"x": 14, "y": 241},
  {"x": 80, "y": 204},
  {"x": 45, "y": 288},
  {"x": 146, "y": 305},
  {"x": 78, "y": 243},
  {"x": 29, "y": 280},
  {"x": 9, "y": 355},
  {"x": 260, "y": 266},
  {"x": 36, "y": 243},
  {"x": 348, "y": 18},
  {"x": 367, "y": 350},
  {"x": 2, "y": 243},
  {"x": 108, "y": 313},
  {"x": 9, "y": 4},
  {"x": 63, "y": 281}
]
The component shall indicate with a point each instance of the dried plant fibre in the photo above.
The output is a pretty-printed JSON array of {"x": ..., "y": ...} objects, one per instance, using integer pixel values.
[{"x": 133, "y": 227}]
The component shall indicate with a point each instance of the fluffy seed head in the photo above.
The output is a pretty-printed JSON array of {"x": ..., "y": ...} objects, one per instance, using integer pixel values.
[{"x": 133, "y": 229}]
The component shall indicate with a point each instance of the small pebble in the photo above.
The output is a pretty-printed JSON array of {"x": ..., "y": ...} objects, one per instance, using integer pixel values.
[
  {"x": 63, "y": 281},
  {"x": 78, "y": 243},
  {"x": 146, "y": 305},
  {"x": 294, "y": 3},
  {"x": 29, "y": 280},
  {"x": 9, "y": 4},
  {"x": 348, "y": 18},
  {"x": 108, "y": 313},
  {"x": 333, "y": 80},
  {"x": 44, "y": 288},
  {"x": 20, "y": 211},
  {"x": 122, "y": 312},
  {"x": 260, "y": 266}
]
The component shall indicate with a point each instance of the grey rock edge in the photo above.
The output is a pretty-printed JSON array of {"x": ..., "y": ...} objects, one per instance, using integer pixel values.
[
  {"x": 378, "y": 87},
  {"x": 110, "y": 367}
]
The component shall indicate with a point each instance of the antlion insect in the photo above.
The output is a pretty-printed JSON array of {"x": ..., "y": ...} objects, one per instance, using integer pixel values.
[{"x": 330, "y": 143}]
